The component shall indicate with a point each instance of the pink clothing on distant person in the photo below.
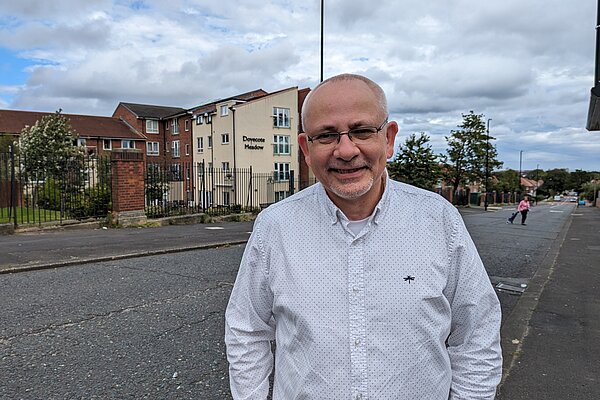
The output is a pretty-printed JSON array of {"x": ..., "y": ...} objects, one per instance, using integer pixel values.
[{"x": 523, "y": 205}]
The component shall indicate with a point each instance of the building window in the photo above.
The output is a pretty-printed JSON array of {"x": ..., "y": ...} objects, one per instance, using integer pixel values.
[
  {"x": 174, "y": 126},
  {"x": 151, "y": 126},
  {"x": 175, "y": 148},
  {"x": 81, "y": 142},
  {"x": 187, "y": 125},
  {"x": 225, "y": 165},
  {"x": 176, "y": 172},
  {"x": 281, "y": 117},
  {"x": 187, "y": 149},
  {"x": 107, "y": 144},
  {"x": 281, "y": 144},
  {"x": 225, "y": 138},
  {"x": 209, "y": 144},
  {"x": 127, "y": 144},
  {"x": 152, "y": 148},
  {"x": 199, "y": 119},
  {"x": 167, "y": 147},
  {"x": 224, "y": 111},
  {"x": 282, "y": 171},
  {"x": 200, "y": 142}
]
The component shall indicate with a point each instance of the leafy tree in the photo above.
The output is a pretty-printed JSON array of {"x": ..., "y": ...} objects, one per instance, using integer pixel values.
[
  {"x": 536, "y": 175},
  {"x": 556, "y": 182},
  {"x": 48, "y": 146},
  {"x": 578, "y": 178},
  {"x": 506, "y": 181},
  {"x": 468, "y": 150},
  {"x": 416, "y": 163}
]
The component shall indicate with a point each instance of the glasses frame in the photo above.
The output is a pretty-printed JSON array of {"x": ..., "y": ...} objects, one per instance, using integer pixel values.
[{"x": 347, "y": 132}]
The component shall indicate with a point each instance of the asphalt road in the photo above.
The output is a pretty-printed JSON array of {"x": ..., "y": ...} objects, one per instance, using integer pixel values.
[{"x": 152, "y": 327}]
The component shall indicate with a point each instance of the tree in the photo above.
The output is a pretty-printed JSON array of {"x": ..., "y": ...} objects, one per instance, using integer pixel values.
[
  {"x": 506, "y": 181},
  {"x": 556, "y": 182},
  {"x": 578, "y": 178},
  {"x": 470, "y": 152},
  {"x": 415, "y": 163},
  {"x": 48, "y": 146}
]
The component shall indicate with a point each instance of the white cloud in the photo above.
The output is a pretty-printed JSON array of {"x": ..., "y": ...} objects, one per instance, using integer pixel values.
[{"x": 526, "y": 65}]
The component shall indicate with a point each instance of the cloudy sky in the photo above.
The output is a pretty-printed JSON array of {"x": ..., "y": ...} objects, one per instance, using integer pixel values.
[{"x": 527, "y": 65}]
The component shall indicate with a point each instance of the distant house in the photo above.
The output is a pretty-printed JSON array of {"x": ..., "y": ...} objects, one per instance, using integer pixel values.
[
  {"x": 99, "y": 135},
  {"x": 531, "y": 186}
]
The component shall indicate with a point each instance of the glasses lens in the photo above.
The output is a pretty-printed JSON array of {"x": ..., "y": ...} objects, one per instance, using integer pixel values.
[
  {"x": 363, "y": 133},
  {"x": 326, "y": 138}
]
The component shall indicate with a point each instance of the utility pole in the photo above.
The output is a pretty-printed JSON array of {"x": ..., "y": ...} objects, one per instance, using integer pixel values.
[
  {"x": 487, "y": 166},
  {"x": 322, "y": 7},
  {"x": 520, "y": 166}
]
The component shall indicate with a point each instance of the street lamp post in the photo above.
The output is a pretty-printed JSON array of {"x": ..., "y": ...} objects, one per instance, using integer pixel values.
[
  {"x": 322, "y": 7},
  {"x": 487, "y": 166},
  {"x": 520, "y": 166}
]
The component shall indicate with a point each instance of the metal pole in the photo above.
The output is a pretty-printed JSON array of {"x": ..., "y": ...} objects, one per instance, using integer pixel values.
[
  {"x": 487, "y": 165},
  {"x": 322, "y": 7},
  {"x": 520, "y": 164}
]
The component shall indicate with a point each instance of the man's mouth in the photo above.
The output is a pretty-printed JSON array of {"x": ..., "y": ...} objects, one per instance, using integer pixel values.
[{"x": 345, "y": 170}]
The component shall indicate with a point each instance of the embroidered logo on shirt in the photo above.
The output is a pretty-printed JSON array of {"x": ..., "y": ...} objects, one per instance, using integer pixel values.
[{"x": 409, "y": 278}]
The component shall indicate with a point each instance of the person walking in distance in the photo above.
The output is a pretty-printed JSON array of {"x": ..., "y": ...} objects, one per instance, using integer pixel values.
[
  {"x": 370, "y": 288},
  {"x": 522, "y": 208}
]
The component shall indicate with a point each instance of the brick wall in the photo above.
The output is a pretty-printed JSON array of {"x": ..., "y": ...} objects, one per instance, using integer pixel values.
[{"x": 127, "y": 180}]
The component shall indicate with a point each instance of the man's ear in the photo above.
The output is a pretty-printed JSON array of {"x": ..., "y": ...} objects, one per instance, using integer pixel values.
[
  {"x": 303, "y": 142},
  {"x": 390, "y": 137}
]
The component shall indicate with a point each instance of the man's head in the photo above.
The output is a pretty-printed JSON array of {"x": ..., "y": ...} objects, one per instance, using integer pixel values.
[{"x": 351, "y": 169}]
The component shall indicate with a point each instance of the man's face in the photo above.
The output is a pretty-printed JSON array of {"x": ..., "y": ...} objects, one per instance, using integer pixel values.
[{"x": 347, "y": 170}]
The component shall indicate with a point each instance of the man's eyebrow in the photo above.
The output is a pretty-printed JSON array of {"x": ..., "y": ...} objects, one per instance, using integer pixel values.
[{"x": 353, "y": 125}]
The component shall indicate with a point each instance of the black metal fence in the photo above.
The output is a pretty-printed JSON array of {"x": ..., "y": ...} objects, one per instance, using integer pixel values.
[
  {"x": 32, "y": 192},
  {"x": 187, "y": 188}
]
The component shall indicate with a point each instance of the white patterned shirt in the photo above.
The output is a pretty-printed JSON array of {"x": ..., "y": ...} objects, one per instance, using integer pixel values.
[{"x": 402, "y": 310}]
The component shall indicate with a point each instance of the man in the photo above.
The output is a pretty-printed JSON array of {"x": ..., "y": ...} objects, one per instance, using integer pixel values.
[{"x": 370, "y": 288}]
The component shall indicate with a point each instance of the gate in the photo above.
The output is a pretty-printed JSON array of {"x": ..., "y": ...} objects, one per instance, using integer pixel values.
[{"x": 78, "y": 188}]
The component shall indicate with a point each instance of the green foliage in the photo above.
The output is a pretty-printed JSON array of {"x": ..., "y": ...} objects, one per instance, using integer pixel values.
[
  {"x": 590, "y": 190},
  {"x": 579, "y": 178},
  {"x": 556, "y": 182},
  {"x": 506, "y": 181},
  {"x": 470, "y": 150},
  {"x": 416, "y": 163},
  {"x": 48, "y": 145}
]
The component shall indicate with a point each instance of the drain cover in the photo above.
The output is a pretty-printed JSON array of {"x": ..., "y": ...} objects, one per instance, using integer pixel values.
[{"x": 512, "y": 289}]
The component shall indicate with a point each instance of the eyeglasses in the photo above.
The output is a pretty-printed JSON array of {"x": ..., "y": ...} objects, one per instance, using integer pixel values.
[{"x": 356, "y": 135}]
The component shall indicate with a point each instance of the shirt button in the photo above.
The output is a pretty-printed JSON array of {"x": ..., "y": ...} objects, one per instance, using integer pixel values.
[
  {"x": 355, "y": 289},
  {"x": 358, "y": 396},
  {"x": 357, "y": 343}
]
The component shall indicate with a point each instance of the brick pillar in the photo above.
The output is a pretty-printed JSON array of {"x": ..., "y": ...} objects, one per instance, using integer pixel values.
[{"x": 127, "y": 167}]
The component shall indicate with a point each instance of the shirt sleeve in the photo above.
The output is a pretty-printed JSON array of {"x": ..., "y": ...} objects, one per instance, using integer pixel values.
[
  {"x": 249, "y": 326},
  {"x": 474, "y": 340}
]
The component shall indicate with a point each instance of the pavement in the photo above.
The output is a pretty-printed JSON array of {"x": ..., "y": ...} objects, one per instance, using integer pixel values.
[{"x": 550, "y": 339}]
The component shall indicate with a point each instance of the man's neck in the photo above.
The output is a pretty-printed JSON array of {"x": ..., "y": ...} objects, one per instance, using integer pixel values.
[{"x": 362, "y": 207}]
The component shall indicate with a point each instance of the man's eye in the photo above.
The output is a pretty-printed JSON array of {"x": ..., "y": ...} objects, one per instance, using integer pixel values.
[
  {"x": 362, "y": 131},
  {"x": 326, "y": 136}
]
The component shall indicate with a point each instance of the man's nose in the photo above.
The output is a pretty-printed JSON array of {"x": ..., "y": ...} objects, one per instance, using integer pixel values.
[{"x": 346, "y": 149}]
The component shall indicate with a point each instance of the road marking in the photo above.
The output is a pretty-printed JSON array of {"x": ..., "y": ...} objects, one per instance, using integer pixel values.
[
  {"x": 577, "y": 215},
  {"x": 556, "y": 211},
  {"x": 214, "y": 228}
]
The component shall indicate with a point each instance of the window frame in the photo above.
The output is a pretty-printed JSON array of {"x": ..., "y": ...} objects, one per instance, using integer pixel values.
[
  {"x": 281, "y": 118},
  {"x": 153, "y": 131},
  {"x": 150, "y": 151},
  {"x": 282, "y": 142}
]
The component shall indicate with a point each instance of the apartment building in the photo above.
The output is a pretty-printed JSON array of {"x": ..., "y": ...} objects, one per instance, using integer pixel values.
[
  {"x": 99, "y": 135},
  {"x": 256, "y": 131},
  {"x": 161, "y": 126}
]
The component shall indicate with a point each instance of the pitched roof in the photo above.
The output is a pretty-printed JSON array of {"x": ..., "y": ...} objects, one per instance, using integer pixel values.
[
  {"x": 86, "y": 126},
  {"x": 211, "y": 106},
  {"x": 151, "y": 111}
]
